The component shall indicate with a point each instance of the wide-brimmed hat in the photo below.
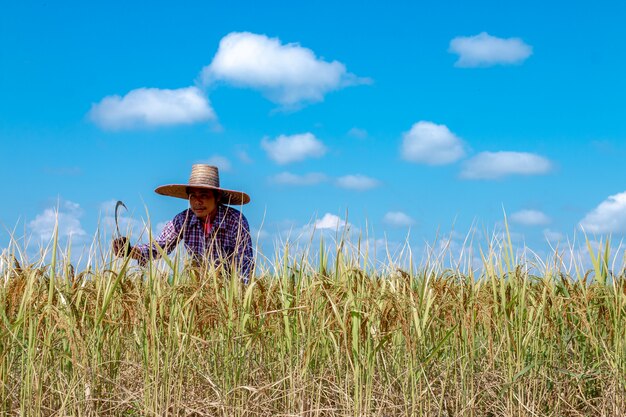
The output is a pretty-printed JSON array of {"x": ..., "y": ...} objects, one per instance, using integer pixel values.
[{"x": 208, "y": 177}]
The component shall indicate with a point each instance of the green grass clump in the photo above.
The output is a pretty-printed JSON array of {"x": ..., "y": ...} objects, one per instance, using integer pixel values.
[{"x": 334, "y": 337}]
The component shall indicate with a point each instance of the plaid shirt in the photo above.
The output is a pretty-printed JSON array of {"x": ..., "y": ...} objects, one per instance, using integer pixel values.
[{"x": 227, "y": 241}]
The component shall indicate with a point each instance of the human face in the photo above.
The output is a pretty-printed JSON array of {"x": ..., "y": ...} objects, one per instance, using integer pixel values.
[{"x": 202, "y": 202}]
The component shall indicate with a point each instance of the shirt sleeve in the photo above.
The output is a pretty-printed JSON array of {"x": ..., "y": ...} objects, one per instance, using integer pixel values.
[
  {"x": 244, "y": 251},
  {"x": 167, "y": 240}
]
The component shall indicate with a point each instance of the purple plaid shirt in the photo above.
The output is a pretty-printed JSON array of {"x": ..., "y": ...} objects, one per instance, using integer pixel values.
[{"x": 228, "y": 240}]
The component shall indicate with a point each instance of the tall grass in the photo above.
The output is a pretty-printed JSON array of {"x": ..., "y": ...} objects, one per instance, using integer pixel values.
[{"x": 330, "y": 337}]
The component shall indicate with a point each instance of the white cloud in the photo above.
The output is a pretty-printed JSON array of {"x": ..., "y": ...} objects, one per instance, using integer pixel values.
[
  {"x": 331, "y": 222},
  {"x": 287, "y": 74},
  {"x": 530, "y": 217},
  {"x": 493, "y": 165},
  {"x": 287, "y": 178},
  {"x": 147, "y": 107},
  {"x": 398, "y": 219},
  {"x": 66, "y": 217},
  {"x": 432, "y": 144},
  {"x": 221, "y": 162},
  {"x": 259, "y": 234},
  {"x": 553, "y": 235},
  {"x": 327, "y": 226},
  {"x": 357, "y": 182},
  {"x": 294, "y": 148},
  {"x": 4, "y": 260},
  {"x": 160, "y": 226},
  {"x": 244, "y": 157},
  {"x": 358, "y": 133},
  {"x": 484, "y": 50},
  {"x": 608, "y": 217}
]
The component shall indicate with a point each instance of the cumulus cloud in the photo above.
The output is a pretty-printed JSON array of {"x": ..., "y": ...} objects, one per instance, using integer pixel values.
[
  {"x": 608, "y": 217},
  {"x": 331, "y": 222},
  {"x": 5, "y": 260},
  {"x": 287, "y": 178},
  {"x": 259, "y": 234},
  {"x": 398, "y": 219},
  {"x": 286, "y": 74},
  {"x": 221, "y": 162},
  {"x": 358, "y": 133},
  {"x": 553, "y": 235},
  {"x": 484, "y": 50},
  {"x": 530, "y": 218},
  {"x": 432, "y": 144},
  {"x": 243, "y": 156},
  {"x": 494, "y": 165},
  {"x": 357, "y": 182},
  {"x": 294, "y": 148},
  {"x": 160, "y": 226},
  {"x": 66, "y": 217},
  {"x": 149, "y": 107}
]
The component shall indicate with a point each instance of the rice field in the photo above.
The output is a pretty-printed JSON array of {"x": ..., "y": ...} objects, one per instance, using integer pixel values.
[{"x": 321, "y": 332}]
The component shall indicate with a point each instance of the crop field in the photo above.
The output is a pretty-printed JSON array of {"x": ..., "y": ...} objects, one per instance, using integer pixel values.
[{"x": 316, "y": 333}]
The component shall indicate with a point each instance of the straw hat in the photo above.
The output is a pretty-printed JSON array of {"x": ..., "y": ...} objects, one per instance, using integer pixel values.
[{"x": 204, "y": 176}]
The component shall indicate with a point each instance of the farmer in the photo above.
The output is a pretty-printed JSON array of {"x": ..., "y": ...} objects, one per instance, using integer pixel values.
[{"x": 211, "y": 230}]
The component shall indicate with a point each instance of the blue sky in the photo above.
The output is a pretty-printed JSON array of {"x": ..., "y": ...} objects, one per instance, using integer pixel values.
[{"x": 420, "y": 116}]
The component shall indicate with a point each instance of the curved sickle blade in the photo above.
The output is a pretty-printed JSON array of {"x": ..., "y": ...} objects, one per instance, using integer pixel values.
[{"x": 117, "y": 225}]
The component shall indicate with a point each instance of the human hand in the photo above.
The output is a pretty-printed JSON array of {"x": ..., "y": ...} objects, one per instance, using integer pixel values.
[{"x": 121, "y": 247}]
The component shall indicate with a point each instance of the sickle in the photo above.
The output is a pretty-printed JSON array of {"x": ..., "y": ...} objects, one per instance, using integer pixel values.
[{"x": 117, "y": 226}]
